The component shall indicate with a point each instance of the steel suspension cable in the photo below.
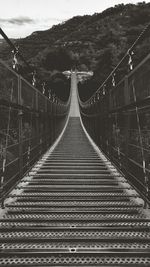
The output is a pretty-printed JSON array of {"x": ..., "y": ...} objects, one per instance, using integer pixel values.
[{"x": 123, "y": 58}]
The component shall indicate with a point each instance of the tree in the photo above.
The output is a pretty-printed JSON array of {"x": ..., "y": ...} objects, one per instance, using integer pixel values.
[{"x": 58, "y": 59}]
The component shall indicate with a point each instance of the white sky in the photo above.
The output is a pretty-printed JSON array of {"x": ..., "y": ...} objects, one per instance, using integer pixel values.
[{"x": 19, "y": 18}]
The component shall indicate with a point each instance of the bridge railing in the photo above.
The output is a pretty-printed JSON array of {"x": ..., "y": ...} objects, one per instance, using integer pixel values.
[
  {"x": 119, "y": 122},
  {"x": 29, "y": 124}
]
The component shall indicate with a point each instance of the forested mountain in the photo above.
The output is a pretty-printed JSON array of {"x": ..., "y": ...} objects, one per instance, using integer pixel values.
[{"x": 95, "y": 43}]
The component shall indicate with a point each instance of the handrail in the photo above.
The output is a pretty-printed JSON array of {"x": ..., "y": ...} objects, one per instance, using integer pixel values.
[
  {"x": 121, "y": 118},
  {"x": 36, "y": 121}
]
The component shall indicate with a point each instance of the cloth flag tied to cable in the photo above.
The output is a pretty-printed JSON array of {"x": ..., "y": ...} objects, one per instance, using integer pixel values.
[
  {"x": 113, "y": 80},
  {"x": 15, "y": 60},
  {"x": 130, "y": 61},
  {"x": 34, "y": 78},
  {"x": 43, "y": 88}
]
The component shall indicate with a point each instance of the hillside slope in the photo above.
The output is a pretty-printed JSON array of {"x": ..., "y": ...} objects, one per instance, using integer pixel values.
[{"x": 94, "y": 43}]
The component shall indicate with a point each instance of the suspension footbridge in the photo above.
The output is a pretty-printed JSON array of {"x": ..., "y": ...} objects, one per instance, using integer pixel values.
[{"x": 75, "y": 175}]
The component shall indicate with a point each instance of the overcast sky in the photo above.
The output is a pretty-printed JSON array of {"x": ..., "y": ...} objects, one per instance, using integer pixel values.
[{"x": 19, "y": 18}]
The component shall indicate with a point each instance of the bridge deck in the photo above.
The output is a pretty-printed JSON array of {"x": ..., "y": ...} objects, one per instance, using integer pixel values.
[{"x": 73, "y": 211}]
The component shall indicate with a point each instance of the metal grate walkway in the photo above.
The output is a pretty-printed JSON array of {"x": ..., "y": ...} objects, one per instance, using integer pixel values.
[{"x": 73, "y": 211}]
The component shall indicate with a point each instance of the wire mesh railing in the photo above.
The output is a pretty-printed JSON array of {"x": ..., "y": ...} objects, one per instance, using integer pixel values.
[
  {"x": 119, "y": 122},
  {"x": 30, "y": 123}
]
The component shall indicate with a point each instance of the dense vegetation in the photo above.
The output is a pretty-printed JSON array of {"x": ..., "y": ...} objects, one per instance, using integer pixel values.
[{"x": 94, "y": 43}]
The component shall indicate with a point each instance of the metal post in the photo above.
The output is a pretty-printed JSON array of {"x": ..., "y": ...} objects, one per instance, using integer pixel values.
[
  {"x": 37, "y": 121},
  {"x": 53, "y": 122},
  {"x": 20, "y": 113},
  {"x": 2, "y": 191}
]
